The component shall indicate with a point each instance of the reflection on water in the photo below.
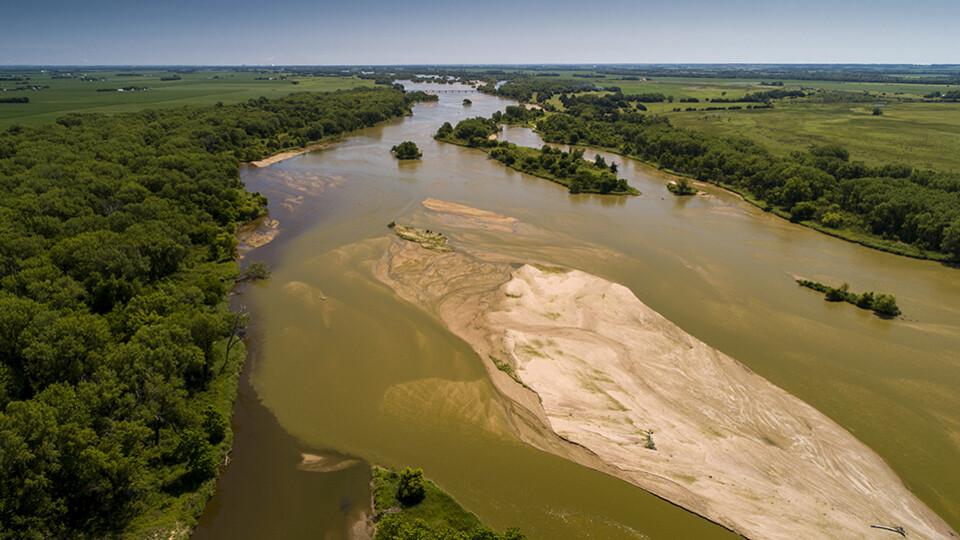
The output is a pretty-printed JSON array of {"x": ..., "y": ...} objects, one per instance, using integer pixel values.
[{"x": 344, "y": 364}]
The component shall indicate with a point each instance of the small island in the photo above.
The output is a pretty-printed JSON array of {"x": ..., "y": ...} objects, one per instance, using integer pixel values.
[
  {"x": 427, "y": 239},
  {"x": 681, "y": 187},
  {"x": 568, "y": 169},
  {"x": 467, "y": 102},
  {"x": 884, "y": 305},
  {"x": 406, "y": 150}
]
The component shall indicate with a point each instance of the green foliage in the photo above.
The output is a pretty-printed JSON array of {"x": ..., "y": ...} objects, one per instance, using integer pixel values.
[
  {"x": 436, "y": 517},
  {"x": 896, "y": 205},
  {"x": 406, "y": 150},
  {"x": 256, "y": 271},
  {"x": 515, "y": 114},
  {"x": 884, "y": 305},
  {"x": 410, "y": 489},
  {"x": 681, "y": 186},
  {"x": 117, "y": 239},
  {"x": 474, "y": 132},
  {"x": 566, "y": 168}
]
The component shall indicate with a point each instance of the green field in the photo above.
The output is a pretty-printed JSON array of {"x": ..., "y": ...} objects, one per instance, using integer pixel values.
[
  {"x": 198, "y": 88},
  {"x": 924, "y": 135}
]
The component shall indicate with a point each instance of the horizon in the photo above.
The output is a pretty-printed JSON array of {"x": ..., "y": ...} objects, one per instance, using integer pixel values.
[{"x": 498, "y": 32}]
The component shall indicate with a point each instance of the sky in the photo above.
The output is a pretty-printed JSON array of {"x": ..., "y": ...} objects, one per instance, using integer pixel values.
[{"x": 313, "y": 32}]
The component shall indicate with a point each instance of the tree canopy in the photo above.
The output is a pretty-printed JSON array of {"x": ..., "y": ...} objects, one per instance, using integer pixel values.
[{"x": 117, "y": 246}]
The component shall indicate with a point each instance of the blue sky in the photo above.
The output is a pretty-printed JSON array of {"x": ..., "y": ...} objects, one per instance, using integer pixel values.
[{"x": 481, "y": 31}]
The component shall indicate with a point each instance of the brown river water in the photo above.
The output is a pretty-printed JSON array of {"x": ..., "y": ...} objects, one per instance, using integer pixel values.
[{"x": 341, "y": 367}]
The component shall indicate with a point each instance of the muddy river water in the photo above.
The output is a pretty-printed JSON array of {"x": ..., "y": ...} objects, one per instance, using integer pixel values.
[{"x": 343, "y": 370}]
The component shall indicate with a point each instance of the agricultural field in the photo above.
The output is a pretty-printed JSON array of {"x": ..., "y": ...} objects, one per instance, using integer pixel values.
[
  {"x": 924, "y": 135},
  {"x": 101, "y": 94}
]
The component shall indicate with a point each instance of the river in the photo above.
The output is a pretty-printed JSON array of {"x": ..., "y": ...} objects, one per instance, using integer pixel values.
[{"x": 340, "y": 364}]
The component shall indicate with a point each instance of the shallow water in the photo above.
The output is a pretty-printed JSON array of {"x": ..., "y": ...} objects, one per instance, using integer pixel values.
[{"x": 343, "y": 364}]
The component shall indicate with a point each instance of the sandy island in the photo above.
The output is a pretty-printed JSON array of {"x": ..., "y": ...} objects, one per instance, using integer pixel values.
[{"x": 613, "y": 385}]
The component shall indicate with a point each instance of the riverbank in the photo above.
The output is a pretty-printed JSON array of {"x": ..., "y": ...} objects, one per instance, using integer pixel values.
[
  {"x": 642, "y": 400},
  {"x": 853, "y": 236}
]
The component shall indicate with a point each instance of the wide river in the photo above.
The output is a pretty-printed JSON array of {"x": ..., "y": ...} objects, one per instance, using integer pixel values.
[{"x": 359, "y": 373}]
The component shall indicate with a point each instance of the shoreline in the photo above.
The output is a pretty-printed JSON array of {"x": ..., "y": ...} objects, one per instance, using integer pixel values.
[
  {"x": 583, "y": 360},
  {"x": 854, "y": 237},
  {"x": 284, "y": 155}
]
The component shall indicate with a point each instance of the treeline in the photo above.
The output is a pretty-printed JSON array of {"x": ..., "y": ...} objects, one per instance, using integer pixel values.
[
  {"x": 894, "y": 204},
  {"x": 516, "y": 114},
  {"x": 524, "y": 88},
  {"x": 884, "y": 305},
  {"x": 17, "y": 99},
  {"x": 117, "y": 247},
  {"x": 569, "y": 169},
  {"x": 952, "y": 95}
]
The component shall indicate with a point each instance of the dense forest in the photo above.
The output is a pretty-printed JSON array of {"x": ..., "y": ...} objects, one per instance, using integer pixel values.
[
  {"x": 569, "y": 169},
  {"x": 894, "y": 206},
  {"x": 117, "y": 248}
]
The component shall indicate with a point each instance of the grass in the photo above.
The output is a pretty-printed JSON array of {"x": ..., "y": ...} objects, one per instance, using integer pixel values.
[
  {"x": 200, "y": 88},
  {"x": 924, "y": 135},
  {"x": 438, "y": 509}
]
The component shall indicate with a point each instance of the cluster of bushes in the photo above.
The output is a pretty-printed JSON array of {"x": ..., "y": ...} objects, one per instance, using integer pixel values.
[
  {"x": 406, "y": 150},
  {"x": 474, "y": 132},
  {"x": 516, "y": 114},
  {"x": 884, "y": 305},
  {"x": 410, "y": 507},
  {"x": 117, "y": 245},
  {"x": 567, "y": 168},
  {"x": 895, "y": 202},
  {"x": 16, "y": 99}
]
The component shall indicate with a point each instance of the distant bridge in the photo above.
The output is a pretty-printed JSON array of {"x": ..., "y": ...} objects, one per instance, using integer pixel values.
[{"x": 471, "y": 91}]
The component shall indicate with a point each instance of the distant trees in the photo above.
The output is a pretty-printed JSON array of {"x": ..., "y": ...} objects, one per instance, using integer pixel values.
[
  {"x": 877, "y": 111},
  {"x": 406, "y": 150},
  {"x": 16, "y": 99}
]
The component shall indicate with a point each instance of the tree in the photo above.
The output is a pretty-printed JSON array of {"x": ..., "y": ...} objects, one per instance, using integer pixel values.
[
  {"x": 877, "y": 111},
  {"x": 951, "y": 240},
  {"x": 411, "y": 489},
  {"x": 406, "y": 150},
  {"x": 885, "y": 305},
  {"x": 467, "y": 103}
]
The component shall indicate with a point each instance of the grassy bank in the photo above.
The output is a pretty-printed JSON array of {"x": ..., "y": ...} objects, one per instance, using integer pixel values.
[
  {"x": 435, "y": 516},
  {"x": 925, "y": 135}
]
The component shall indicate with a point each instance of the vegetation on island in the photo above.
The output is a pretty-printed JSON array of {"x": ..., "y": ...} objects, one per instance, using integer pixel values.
[
  {"x": 467, "y": 102},
  {"x": 432, "y": 240},
  {"x": 408, "y": 506},
  {"x": 884, "y": 305},
  {"x": 406, "y": 150},
  {"x": 517, "y": 114},
  {"x": 681, "y": 187},
  {"x": 569, "y": 169},
  {"x": 894, "y": 207},
  {"x": 119, "y": 357}
]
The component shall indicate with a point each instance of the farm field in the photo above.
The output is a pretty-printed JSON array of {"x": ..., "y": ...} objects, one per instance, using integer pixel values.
[
  {"x": 924, "y": 135},
  {"x": 197, "y": 88}
]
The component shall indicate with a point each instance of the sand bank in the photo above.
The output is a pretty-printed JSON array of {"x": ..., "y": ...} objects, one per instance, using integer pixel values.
[
  {"x": 283, "y": 156},
  {"x": 641, "y": 399}
]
